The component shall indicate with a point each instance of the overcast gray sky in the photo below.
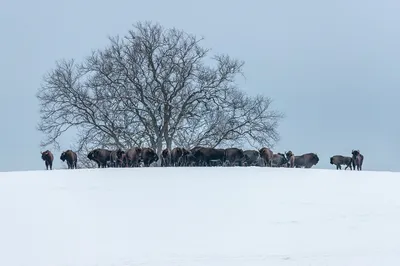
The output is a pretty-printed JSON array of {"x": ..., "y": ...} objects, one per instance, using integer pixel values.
[{"x": 331, "y": 66}]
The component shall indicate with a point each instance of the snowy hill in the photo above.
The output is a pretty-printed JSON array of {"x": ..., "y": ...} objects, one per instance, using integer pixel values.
[{"x": 199, "y": 216}]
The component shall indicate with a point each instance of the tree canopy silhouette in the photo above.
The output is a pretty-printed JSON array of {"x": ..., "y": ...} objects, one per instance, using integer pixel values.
[{"x": 152, "y": 87}]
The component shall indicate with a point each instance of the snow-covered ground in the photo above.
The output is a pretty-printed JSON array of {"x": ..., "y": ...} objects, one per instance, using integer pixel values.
[{"x": 199, "y": 216}]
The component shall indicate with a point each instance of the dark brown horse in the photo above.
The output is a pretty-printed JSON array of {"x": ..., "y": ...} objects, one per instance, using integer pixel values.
[
  {"x": 133, "y": 157},
  {"x": 251, "y": 157},
  {"x": 166, "y": 158},
  {"x": 266, "y": 156},
  {"x": 209, "y": 156},
  {"x": 339, "y": 160},
  {"x": 234, "y": 156},
  {"x": 290, "y": 159},
  {"x": 100, "y": 156},
  {"x": 306, "y": 160},
  {"x": 358, "y": 159},
  {"x": 148, "y": 156},
  {"x": 279, "y": 160},
  {"x": 70, "y": 157},
  {"x": 48, "y": 158},
  {"x": 116, "y": 158}
]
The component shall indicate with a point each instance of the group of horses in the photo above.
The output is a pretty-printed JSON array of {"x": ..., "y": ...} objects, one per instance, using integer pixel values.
[
  {"x": 354, "y": 161},
  {"x": 70, "y": 156},
  {"x": 202, "y": 156}
]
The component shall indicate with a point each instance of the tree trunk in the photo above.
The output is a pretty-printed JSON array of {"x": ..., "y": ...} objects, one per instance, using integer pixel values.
[
  {"x": 159, "y": 149},
  {"x": 168, "y": 141}
]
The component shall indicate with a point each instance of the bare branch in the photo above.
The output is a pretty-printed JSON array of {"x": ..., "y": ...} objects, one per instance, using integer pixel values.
[{"x": 152, "y": 87}]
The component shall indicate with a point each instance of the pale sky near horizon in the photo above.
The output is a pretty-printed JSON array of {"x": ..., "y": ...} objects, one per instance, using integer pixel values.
[{"x": 331, "y": 66}]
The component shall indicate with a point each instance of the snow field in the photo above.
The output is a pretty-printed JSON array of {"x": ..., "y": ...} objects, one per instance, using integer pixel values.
[{"x": 212, "y": 216}]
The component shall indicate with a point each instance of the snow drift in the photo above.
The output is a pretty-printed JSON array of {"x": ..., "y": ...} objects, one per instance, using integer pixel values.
[{"x": 199, "y": 216}]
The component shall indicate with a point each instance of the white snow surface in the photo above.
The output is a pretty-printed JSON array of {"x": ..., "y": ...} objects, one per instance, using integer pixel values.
[{"x": 225, "y": 216}]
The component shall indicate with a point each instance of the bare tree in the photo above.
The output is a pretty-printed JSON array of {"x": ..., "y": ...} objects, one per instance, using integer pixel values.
[
  {"x": 153, "y": 88},
  {"x": 239, "y": 119}
]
